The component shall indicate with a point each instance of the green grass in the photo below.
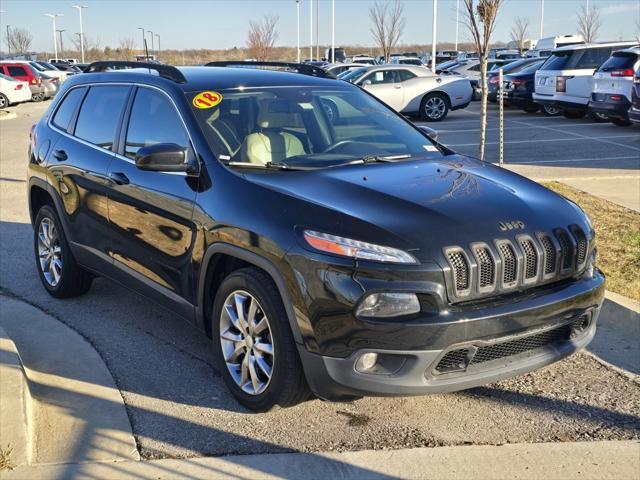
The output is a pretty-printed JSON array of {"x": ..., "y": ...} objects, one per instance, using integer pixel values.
[{"x": 618, "y": 237}]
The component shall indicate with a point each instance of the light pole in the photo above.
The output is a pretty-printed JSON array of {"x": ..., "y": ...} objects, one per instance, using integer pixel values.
[
  {"x": 152, "y": 49},
  {"x": 298, "y": 27},
  {"x": 333, "y": 31},
  {"x": 53, "y": 17},
  {"x": 79, "y": 8},
  {"x": 158, "y": 37},
  {"x": 61, "y": 47},
  {"x": 541, "y": 17},
  {"x": 434, "y": 23},
  {"x": 317, "y": 29},
  {"x": 8, "y": 39},
  {"x": 311, "y": 30},
  {"x": 143, "y": 40},
  {"x": 457, "y": 22}
]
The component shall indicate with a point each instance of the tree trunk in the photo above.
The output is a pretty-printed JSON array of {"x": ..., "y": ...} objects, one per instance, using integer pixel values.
[{"x": 483, "y": 106}]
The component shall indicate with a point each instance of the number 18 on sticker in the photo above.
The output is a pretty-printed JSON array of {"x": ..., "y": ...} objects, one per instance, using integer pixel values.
[{"x": 207, "y": 100}]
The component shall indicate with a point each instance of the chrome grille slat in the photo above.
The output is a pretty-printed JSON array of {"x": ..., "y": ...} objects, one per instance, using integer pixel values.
[{"x": 521, "y": 262}]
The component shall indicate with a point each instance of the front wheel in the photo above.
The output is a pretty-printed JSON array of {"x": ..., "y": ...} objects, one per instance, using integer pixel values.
[
  {"x": 4, "y": 101},
  {"x": 598, "y": 117},
  {"x": 550, "y": 111},
  {"x": 253, "y": 344},
  {"x": 37, "y": 97},
  {"x": 434, "y": 107}
]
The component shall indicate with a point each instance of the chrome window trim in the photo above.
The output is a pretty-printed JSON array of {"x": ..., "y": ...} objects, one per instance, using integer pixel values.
[{"x": 116, "y": 154}]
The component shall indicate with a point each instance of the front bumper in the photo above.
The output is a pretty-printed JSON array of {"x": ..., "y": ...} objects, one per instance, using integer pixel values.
[
  {"x": 418, "y": 372},
  {"x": 613, "y": 109}
]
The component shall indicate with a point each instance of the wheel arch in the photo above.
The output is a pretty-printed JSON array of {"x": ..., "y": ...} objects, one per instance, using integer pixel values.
[{"x": 223, "y": 258}]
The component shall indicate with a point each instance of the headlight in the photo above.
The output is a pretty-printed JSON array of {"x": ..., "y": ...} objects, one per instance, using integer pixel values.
[
  {"x": 386, "y": 305},
  {"x": 347, "y": 247},
  {"x": 590, "y": 269}
]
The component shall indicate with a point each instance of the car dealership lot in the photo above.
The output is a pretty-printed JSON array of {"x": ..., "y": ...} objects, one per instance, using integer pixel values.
[{"x": 178, "y": 404}]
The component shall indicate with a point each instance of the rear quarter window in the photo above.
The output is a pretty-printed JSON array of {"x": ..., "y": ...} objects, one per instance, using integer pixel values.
[
  {"x": 100, "y": 115},
  {"x": 619, "y": 61},
  {"x": 17, "y": 71},
  {"x": 64, "y": 113},
  {"x": 557, "y": 61}
]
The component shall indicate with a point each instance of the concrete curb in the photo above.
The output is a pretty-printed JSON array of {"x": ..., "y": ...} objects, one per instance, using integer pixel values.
[
  {"x": 78, "y": 413},
  {"x": 583, "y": 461},
  {"x": 15, "y": 407},
  {"x": 7, "y": 115}
]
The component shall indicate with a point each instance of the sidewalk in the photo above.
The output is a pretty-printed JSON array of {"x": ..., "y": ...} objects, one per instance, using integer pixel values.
[
  {"x": 616, "y": 185},
  {"x": 567, "y": 461}
]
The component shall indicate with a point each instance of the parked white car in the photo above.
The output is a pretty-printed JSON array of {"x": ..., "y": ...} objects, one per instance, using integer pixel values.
[
  {"x": 13, "y": 91},
  {"x": 338, "y": 68},
  {"x": 613, "y": 84},
  {"x": 565, "y": 81},
  {"x": 411, "y": 89}
]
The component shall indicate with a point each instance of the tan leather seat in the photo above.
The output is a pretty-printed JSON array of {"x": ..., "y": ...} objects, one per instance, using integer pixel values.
[{"x": 271, "y": 143}]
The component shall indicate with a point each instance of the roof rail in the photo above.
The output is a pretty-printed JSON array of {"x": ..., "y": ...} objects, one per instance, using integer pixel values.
[
  {"x": 301, "y": 68},
  {"x": 165, "y": 71}
]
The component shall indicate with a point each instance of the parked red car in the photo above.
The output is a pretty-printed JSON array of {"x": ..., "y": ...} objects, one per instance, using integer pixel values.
[{"x": 24, "y": 72}]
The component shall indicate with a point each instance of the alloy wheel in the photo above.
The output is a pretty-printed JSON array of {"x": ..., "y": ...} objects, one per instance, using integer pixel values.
[
  {"x": 246, "y": 340},
  {"x": 552, "y": 111},
  {"x": 49, "y": 252},
  {"x": 3, "y": 101},
  {"x": 434, "y": 108}
]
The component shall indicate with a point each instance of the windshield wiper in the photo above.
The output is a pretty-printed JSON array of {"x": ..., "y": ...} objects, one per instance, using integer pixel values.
[
  {"x": 382, "y": 158},
  {"x": 268, "y": 165}
]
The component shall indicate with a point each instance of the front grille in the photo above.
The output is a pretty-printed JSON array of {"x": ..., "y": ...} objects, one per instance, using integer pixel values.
[
  {"x": 549, "y": 254},
  {"x": 460, "y": 267},
  {"x": 503, "y": 264},
  {"x": 486, "y": 266},
  {"x": 460, "y": 359},
  {"x": 530, "y": 259},
  {"x": 509, "y": 263}
]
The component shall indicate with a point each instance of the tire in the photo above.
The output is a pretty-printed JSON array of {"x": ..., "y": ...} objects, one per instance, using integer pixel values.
[
  {"x": 477, "y": 94},
  {"x": 37, "y": 97},
  {"x": 573, "y": 114},
  {"x": 279, "y": 378},
  {"x": 59, "y": 273},
  {"x": 531, "y": 108},
  {"x": 550, "y": 111},
  {"x": 434, "y": 107},
  {"x": 621, "y": 122},
  {"x": 4, "y": 101},
  {"x": 598, "y": 117}
]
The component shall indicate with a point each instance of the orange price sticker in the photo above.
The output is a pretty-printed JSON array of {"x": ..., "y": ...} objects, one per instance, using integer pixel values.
[{"x": 207, "y": 100}]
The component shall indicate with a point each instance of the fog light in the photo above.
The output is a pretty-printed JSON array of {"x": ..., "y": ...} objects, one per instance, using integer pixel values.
[
  {"x": 368, "y": 361},
  {"x": 385, "y": 305}
]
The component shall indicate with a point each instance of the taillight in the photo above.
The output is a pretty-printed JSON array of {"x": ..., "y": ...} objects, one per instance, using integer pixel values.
[
  {"x": 18, "y": 87},
  {"x": 33, "y": 81},
  {"x": 494, "y": 80},
  {"x": 561, "y": 84},
  {"x": 625, "y": 72},
  {"x": 615, "y": 98},
  {"x": 518, "y": 82}
]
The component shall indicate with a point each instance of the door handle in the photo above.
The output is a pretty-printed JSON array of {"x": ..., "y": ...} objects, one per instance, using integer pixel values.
[
  {"x": 397, "y": 87},
  {"x": 119, "y": 178},
  {"x": 60, "y": 155}
]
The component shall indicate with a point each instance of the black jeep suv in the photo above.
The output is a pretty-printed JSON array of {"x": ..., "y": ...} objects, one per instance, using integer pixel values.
[{"x": 324, "y": 243}]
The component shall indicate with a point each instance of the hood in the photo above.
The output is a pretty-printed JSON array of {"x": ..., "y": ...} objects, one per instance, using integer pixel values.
[{"x": 423, "y": 204}]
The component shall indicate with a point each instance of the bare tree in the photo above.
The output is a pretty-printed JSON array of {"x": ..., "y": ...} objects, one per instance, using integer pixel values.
[
  {"x": 19, "y": 40},
  {"x": 262, "y": 38},
  {"x": 126, "y": 48},
  {"x": 520, "y": 32},
  {"x": 388, "y": 25},
  {"x": 589, "y": 23},
  {"x": 480, "y": 17}
]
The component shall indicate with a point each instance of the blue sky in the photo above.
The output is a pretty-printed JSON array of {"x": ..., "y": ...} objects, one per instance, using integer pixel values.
[{"x": 223, "y": 23}]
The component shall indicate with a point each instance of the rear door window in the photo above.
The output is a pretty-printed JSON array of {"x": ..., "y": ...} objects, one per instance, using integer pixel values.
[
  {"x": 382, "y": 76},
  {"x": 67, "y": 108},
  {"x": 100, "y": 115},
  {"x": 153, "y": 120}
]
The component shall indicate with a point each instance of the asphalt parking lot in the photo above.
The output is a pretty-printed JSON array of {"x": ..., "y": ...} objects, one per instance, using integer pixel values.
[{"x": 179, "y": 406}]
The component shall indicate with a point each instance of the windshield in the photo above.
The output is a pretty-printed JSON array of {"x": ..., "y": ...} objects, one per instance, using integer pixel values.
[
  {"x": 354, "y": 75},
  {"x": 532, "y": 68},
  {"x": 306, "y": 127}
]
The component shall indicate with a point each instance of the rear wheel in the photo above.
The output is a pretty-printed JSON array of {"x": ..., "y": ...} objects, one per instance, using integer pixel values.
[
  {"x": 253, "y": 343},
  {"x": 434, "y": 107},
  {"x": 550, "y": 111},
  {"x": 598, "y": 117},
  {"x": 59, "y": 272},
  {"x": 37, "y": 97},
  {"x": 4, "y": 101}
]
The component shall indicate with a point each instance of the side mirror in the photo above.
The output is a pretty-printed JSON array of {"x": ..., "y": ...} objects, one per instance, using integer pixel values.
[
  {"x": 366, "y": 83},
  {"x": 164, "y": 157},
  {"x": 429, "y": 132}
]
